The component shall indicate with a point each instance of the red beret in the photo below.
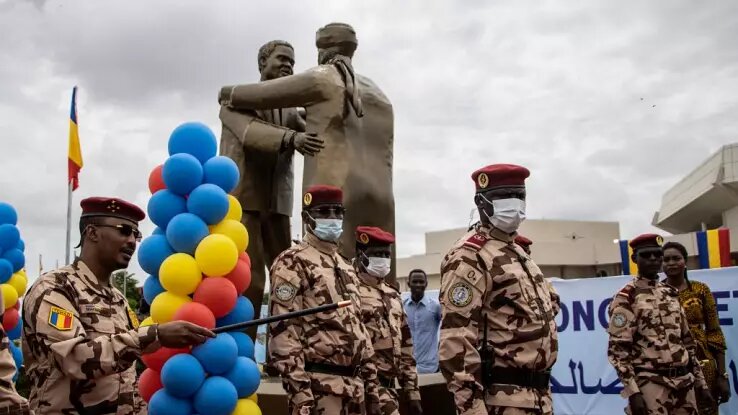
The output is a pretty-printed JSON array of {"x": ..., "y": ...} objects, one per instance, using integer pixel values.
[
  {"x": 322, "y": 195},
  {"x": 499, "y": 175},
  {"x": 523, "y": 241},
  {"x": 647, "y": 240},
  {"x": 370, "y": 235},
  {"x": 112, "y": 207}
]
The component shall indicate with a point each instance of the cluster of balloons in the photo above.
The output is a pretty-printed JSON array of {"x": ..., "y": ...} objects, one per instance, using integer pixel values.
[
  {"x": 13, "y": 278},
  {"x": 198, "y": 272}
]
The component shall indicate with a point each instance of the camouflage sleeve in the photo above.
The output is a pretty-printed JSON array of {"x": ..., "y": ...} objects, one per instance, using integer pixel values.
[
  {"x": 621, "y": 329},
  {"x": 462, "y": 288},
  {"x": 8, "y": 394},
  {"x": 369, "y": 375},
  {"x": 689, "y": 344},
  {"x": 79, "y": 354},
  {"x": 408, "y": 370},
  {"x": 286, "y": 344},
  {"x": 555, "y": 299}
]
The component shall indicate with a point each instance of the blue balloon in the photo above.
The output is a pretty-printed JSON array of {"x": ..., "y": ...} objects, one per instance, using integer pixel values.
[
  {"x": 15, "y": 333},
  {"x": 151, "y": 288},
  {"x": 209, "y": 202},
  {"x": 245, "y": 376},
  {"x": 221, "y": 171},
  {"x": 6, "y": 270},
  {"x": 244, "y": 343},
  {"x": 185, "y": 232},
  {"x": 17, "y": 355},
  {"x": 9, "y": 236},
  {"x": 217, "y": 355},
  {"x": 217, "y": 396},
  {"x": 182, "y": 375},
  {"x": 8, "y": 214},
  {"x": 21, "y": 245},
  {"x": 182, "y": 173},
  {"x": 195, "y": 139},
  {"x": 16, "y": 258},
  {"x": 152, "y": 252},
  {"x": 162, "y": 403},
  {"x": 242, "y": 311},
  {"x": 164, "y": 205},
  {"x": 158, "y": 231}
]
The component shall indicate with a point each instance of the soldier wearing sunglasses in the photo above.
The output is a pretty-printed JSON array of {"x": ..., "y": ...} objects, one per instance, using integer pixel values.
[
  {"x": 80, "y": 337},
  {"x": 650, "y": 345}
]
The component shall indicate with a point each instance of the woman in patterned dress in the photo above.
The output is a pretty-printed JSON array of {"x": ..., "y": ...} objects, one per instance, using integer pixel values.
[{"x": 699, "y": 305}]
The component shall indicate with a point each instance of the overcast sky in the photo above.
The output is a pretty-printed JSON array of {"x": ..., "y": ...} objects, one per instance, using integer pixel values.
[{"x": 608, "y": 103}]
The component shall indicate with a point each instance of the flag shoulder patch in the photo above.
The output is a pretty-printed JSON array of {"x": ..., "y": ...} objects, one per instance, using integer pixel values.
[{"x": 60, "y": 318}]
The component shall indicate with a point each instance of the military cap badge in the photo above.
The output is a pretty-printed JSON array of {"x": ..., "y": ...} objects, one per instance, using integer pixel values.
[
  {"x": 307, "y": 199},
  {"x": 483, "y": 180},
  {"x": 364, "y": 238}
]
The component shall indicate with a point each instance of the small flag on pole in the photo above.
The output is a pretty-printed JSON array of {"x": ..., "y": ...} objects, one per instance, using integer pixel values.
[{"x": 75, "y": 151}]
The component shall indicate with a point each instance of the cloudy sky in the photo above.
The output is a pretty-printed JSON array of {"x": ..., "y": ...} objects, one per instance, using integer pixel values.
[{"x": 608, "y": 103}]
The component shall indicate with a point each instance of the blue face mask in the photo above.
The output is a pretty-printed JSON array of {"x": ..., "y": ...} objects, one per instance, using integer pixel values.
[{"x": 328, "y": 229}]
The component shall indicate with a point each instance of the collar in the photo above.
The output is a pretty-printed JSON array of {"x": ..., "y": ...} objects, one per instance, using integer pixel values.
[
  {"x": 368, "y": 279},
  {"x": 423, "y": 300},
  {"x": 643, "y": 282},
  {"x": 494, "y": 233},
  {"x": 328, "y": 248},
  {"x": 90, "y": 280}
]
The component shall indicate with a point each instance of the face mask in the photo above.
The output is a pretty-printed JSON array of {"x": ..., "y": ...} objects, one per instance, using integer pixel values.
[
  {"x": 378, "y": 267},
  {"x": 508, "y": 214},
  {"x": 328, "y": 229}
]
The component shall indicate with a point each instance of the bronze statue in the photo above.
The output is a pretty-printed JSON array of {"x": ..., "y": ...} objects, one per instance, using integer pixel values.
[
  {"x": 353, "y": 117},
  {"x": 262, "y": 143}
]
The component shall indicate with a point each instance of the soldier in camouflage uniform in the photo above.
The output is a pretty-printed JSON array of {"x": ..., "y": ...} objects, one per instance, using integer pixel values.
[
  {"x": 498, "y": 335},
  {"x": 650, "y": 345},
  {"x": 324, "y": 359},
  {"x": 80, "y": 337},
  {"x": 384, "y": 318},
  {"x": 10, "y": 401}
]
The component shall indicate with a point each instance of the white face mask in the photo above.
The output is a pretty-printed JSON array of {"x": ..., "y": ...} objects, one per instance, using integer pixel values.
[
  {"x": 328, "y": 229},
  {"x": 507, "y": 214},
  {"x": 378, "y": 267}
]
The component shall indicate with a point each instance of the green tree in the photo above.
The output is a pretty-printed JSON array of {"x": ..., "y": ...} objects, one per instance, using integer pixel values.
[{"x": 123, "y": 278}]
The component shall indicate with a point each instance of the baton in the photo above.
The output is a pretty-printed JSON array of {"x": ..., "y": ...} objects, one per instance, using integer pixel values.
[{"x": 285, "y": 316}]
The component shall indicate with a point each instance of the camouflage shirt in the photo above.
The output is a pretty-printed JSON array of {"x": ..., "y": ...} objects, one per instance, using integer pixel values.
[
  {"x": 384, "y": 318},
  {"x": 486, "y": 276},
  {"x": 308, "y": 275},
  {"x": 649, "y": 330},
  {"x": 80, "y": 342},
  {"x": 10, "y": 401}
]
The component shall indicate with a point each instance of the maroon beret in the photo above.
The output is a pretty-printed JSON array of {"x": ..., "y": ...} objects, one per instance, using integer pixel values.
[
  {"x": 370, "y": 235},
  {"x": 111, "y": 207},
  {"x": 647, "y": 240},
  {"x": 523, "y": 241},
  {"x": 322, "y": 195},
  {"x": 499, "y": 175}
]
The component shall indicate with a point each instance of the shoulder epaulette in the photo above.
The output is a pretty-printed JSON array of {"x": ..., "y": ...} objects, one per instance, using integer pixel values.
[
  {"x": 476, "y": 241},
  {"x": 627, "y": 292}
]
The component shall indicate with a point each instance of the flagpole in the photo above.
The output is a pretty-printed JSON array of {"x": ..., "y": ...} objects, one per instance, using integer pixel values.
[{"x": 69, "y": 218}]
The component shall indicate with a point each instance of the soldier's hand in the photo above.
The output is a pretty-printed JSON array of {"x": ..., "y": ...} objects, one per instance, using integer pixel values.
[
  {"x": 705, "y": 396},
  {"x": 415, "y": 408},
  {"x": 177, "y": 334},
  {"x": 308, "y": 144},
  {"x": 637, "y": 404}
]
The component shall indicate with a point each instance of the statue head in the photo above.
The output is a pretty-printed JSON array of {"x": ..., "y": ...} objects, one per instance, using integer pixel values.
[
  {"x": 276, "y": 59},
  {"x": 335, "y": 39}
]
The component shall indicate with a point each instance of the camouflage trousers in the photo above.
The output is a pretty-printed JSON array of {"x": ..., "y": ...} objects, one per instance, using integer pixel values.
[
  {"x": 663, "y": 400},
  {"x": 501, "y": 410},
  {"x": 326, "y": 404},
  {"x": 388, "y": 401},
  {"x": 542, "y": 401}
]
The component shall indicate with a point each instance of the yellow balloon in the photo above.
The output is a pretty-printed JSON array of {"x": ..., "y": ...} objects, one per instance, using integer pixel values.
[
  {"x": 216, "y": 255},
  {"x": 10, "y": 295},
  {"x": 254, "y": 397},
  {"x": 147, "y": 322},
  {"x": 165, "y": 305},
  {"x": 19, "y": 282},
  {"x": 180, "y": 274},
  {"x": 235, "y": 211},
  {"x": 234, "y": 230},
  {"x": 246, "y": 407}
]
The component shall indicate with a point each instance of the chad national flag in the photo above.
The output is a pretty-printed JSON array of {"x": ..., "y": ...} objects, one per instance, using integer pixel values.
[{"x": 75, "y": 151}]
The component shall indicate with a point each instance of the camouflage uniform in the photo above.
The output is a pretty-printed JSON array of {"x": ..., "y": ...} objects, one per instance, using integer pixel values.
[
  {"x": 302, "y": 350},
  {"x": 650, "y": 337},
  {"x": 80, "y": 342},
  {"x": 10, "y": 401},
  {"x": 384, "y": 318},
  {"x": 486, "y": 279}
]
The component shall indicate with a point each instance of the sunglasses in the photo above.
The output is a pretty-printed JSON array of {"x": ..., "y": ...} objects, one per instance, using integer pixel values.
[
  {"x": 126, "y": 230},
  {"x": 328, "y": 210},
  {"x": 649, "y": 254}
]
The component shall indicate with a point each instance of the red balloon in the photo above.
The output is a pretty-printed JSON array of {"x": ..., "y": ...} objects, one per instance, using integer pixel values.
[
  {"x": 217, "y": 294},
  {"x": 10, "y": 319},
  {"x": 149, "y": 383},
  {"x": 156, "y": 360},
  {"x": 156, "y": 182},
  {"x": 196, "y": 313},
  {"x": 240, "y": 276},
  {"x": 17, "y": 305},
  {"x": 244, "y": 256}
]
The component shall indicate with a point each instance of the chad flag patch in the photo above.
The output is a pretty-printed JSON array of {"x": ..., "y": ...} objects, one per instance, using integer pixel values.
[{"x": 60, "y": 318}]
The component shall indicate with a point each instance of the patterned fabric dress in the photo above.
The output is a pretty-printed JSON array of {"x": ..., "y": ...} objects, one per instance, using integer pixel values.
[{"x": 699, "y": 305}]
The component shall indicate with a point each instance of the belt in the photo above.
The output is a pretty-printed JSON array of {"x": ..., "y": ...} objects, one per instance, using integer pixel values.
[
  {"x": 387, "y": 382},
  {"x": 328, "y": 369},
  {"x": 16, "y": 409},
  {"x": 520, "y": 377},
  {"x": 670, "y": 372}
]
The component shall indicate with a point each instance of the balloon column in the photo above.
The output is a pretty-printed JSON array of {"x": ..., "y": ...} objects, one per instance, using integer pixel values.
[
  {"x": 198, "y": 270},
  {"x": 13, "y": 278}
]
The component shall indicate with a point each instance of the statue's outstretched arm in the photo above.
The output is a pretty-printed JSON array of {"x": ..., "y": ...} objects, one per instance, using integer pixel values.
[{"x": 299, "y": 90}]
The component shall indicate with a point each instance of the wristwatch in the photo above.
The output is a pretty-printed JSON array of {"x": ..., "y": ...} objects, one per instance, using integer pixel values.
[{"x": 725, "y": 375}]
